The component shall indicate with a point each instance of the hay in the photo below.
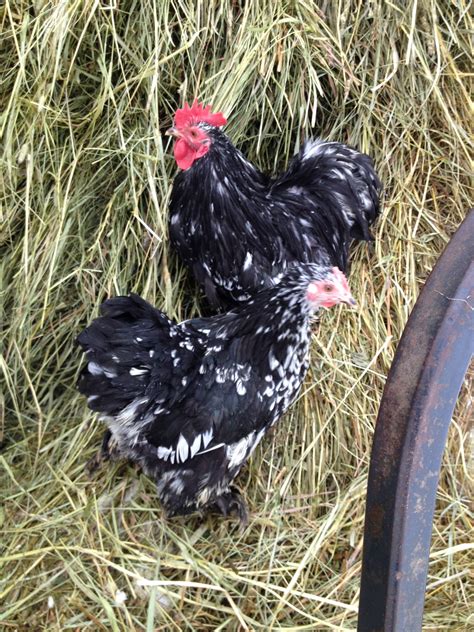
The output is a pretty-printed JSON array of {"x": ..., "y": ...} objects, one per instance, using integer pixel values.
[{"x": 87, "y": 89}]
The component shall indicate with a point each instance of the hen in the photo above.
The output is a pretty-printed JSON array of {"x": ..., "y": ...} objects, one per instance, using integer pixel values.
[
  {"x": 189, "y": 402},
  {"x": 238, "y": 230}
]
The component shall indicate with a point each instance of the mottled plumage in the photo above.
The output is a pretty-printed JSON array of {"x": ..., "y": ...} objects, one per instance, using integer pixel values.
[
  {"x": 189, "y": 402},
  {"x": 238, "y": 230}
]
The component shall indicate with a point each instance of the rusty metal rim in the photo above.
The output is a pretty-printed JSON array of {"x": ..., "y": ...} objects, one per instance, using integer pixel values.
[{"x": 414, "y": 417}]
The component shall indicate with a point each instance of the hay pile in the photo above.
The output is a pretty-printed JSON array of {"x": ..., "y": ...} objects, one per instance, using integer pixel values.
[{"x": 87, "y": 89}]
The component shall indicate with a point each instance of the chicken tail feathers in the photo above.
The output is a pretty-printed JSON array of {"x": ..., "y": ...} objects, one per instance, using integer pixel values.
[
  {"x": 342, "y": 182},
  {"x": 120, "y": 348}
]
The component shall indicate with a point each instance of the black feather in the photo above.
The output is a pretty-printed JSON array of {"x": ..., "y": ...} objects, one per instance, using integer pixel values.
[
  {"x": 238, "y": 230},
  {"x": 190, "y": 401}
]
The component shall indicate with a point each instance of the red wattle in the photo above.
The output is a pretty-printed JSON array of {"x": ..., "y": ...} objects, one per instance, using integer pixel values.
[{"x": 186, "y": 155}]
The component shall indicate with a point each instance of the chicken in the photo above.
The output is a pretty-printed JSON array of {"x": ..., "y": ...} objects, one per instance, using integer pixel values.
[
  {"x": 238, "y": 230},
  {"x": 189, "y": 402}
]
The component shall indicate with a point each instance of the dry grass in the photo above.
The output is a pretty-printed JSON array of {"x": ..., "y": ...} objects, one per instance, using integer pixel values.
[{"x": 87, "y": 88}]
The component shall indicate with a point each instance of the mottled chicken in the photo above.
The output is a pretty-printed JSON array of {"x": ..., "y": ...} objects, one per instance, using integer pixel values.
[
  {"x": 189, "y": 402},
  {"x": 238, "y": 230}
]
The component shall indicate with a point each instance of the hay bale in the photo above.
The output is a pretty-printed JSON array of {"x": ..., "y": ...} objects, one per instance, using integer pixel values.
[{"x": 87, "y": 89}]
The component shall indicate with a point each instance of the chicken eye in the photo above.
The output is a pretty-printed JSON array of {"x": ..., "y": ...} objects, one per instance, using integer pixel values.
[{"x": 328, "y": 287}]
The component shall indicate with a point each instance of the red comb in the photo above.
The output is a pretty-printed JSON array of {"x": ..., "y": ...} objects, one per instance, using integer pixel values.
[
  {"x": 196, "y": 113},
  {"x": 340, "y": 275}
]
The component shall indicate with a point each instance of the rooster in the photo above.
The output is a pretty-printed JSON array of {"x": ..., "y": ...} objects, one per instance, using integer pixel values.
[
  {"x": 238, "y": 229},
  {"x": 189, "y": 402}
]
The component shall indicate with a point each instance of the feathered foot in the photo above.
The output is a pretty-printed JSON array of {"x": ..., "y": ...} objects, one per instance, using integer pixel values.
[{"x": 232, "y": 503}]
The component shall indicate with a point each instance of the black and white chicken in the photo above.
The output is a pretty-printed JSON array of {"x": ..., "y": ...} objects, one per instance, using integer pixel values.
[
  {"x": 189, "y": 402},
  {"x": 238, "y": 229}
]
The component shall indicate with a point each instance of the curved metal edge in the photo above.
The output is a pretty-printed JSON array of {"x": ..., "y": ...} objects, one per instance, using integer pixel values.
[{"x": 410, "y": 436}]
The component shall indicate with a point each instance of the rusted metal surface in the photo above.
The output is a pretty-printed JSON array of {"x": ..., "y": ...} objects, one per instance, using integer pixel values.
[{"x": 416, "y": 409}]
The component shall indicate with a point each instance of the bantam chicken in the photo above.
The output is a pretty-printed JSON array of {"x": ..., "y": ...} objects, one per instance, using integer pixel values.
[
  {"x": 189, "y": 402},
  {"x": 238, "y": 230}
]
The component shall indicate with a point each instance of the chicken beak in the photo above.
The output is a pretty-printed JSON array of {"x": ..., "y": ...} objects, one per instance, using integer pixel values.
[
  {"x": 350, "y": 300},
  {"x": 172, "y": 131}
]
